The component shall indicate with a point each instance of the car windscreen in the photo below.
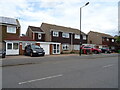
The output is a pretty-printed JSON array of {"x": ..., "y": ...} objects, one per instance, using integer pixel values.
[
  {"x": 87, "y": 47},
  {"x": 105, "y": 48},
  {"x": 35, "y": 47}
]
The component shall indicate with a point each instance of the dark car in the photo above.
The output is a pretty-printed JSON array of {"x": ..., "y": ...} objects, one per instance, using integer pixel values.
[
  {"x": 106, "y": 50},
  {"x": 34, "y": 50},
  {"x": 2, "y": 53}
]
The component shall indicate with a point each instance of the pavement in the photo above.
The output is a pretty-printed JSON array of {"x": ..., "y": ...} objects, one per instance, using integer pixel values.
[{"x": 26, "y": 60}]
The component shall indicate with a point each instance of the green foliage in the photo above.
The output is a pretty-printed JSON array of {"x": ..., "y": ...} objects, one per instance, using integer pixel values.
[{"x": 118, "y": 39}]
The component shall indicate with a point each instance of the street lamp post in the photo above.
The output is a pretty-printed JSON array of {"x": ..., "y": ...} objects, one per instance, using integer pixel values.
[{"x": 80, "y": 27}]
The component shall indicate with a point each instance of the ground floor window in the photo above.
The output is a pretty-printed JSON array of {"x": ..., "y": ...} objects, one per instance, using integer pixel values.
[
  {"x": 9, "y": 46},
  {"x": 15, "y": 45},
  {"x": 12, "y": 46},
  {"x": 76, "y": 47},
  {"x": 65, "y": 46},
  {"x": 112, "y": 47}
]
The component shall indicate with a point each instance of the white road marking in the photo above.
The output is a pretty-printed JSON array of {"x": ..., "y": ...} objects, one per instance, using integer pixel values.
[
  {"x": 40, "y": 79},
  {"x": 108, "y": 66}
]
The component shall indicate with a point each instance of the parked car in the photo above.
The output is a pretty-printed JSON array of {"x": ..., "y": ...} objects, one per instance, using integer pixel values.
[
  {"x": 106, "y": 50},
  {"x": 91, "y": 49},
  {"x": 34, "y": 50},
  {"x": 2, "y": 53}
]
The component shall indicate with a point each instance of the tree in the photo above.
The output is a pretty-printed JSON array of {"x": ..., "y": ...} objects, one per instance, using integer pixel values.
[{"x": 118, "y": 39}]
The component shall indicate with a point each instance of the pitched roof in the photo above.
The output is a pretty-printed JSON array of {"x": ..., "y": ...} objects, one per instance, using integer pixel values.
[
  {"x": 61, "y": 28},
  {"x": 102, "y": 34},
  {"x": 10, "y": 21},
  {"x": 36, "y": 29}
]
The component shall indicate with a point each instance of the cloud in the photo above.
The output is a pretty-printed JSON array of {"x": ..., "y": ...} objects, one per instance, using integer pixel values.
[{"x": 99, "y": 15}]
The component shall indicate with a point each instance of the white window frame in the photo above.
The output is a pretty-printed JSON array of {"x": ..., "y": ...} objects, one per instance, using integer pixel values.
[
  {"x": 65, "y": 35},
  {"x": 107, "y": 39},
  {"x": 113, "y": 40},
  {"x": 66, "y": 46},
  {"x": 77, "y": 36},
  {"x": 11, "y": 29},
  {"x": 55, "y": 34},
  {"x": 39, "y": 35},
  {"x": 84, "y": 37},
  {"x": 14, "y": 46},
  {"x": 56, "y": 48},
  {"x": 11, "y": 46}
]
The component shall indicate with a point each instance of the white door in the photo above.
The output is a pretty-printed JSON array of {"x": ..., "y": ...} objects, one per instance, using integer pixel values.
[
  {"x": 56, "y": 48},
  {"x": 12, "y": 48},
  {"x": 46, "y": 48}
]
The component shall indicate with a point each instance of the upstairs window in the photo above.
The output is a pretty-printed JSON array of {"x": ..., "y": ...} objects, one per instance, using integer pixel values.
[
  {"x": 77, "y": 36},
  {"x": 11, "y": 29},
  {"x": 107, "y": 39},
  {"x": 39, "y": 36},
  {"x": 103, "y": 39},
  {"x": 55, "y": 34},
  {"x": 65, "y": 35},
  {"x": 84, "y": 38},
  {"x": 113, "y": 40}
]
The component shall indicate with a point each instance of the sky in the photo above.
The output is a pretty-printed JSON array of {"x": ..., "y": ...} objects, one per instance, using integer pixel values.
[{"x": 99, "y": 15}]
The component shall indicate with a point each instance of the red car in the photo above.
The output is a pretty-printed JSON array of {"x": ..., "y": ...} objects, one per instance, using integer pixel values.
[{"x": 89, "y": 49}]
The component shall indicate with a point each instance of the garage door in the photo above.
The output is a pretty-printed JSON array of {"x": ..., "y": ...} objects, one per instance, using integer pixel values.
[{"x": 46, "y": 48}]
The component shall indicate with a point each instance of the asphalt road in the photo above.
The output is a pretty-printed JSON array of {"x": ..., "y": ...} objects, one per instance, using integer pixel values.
[{"x": 63, "y": 72}]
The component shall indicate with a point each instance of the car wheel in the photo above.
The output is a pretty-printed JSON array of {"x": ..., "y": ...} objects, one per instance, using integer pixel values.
[
  {"x": 31, "y": 54},
  {"x": 95, "y": 52},
  {"x": 106, "y": 52},
  {"x": 3, "y": 56}
]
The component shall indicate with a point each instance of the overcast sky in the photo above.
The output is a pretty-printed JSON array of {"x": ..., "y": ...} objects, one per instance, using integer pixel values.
[{"x": 99, "y": 15}]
